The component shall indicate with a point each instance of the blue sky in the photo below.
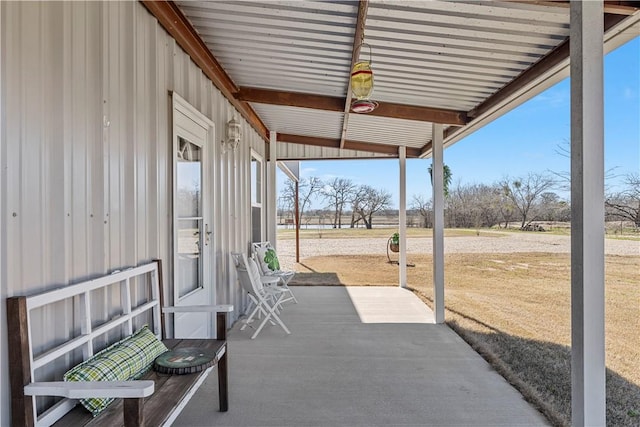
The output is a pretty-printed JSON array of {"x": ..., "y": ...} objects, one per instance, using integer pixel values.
[{"x": 522, "y": 141}]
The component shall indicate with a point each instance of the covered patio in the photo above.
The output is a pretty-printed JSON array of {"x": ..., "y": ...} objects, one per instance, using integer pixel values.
[
  {"x": 359, "y": 356},
  {"x": 97, "y": 100}
]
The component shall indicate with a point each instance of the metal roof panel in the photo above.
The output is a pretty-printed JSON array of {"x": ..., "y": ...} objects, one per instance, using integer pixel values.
[
  {"x": 301, "y": 121},
  {"x": 384, "y": 130},
  {"x": 444, "y": 54},
  {"x": 306, "y": 43}
]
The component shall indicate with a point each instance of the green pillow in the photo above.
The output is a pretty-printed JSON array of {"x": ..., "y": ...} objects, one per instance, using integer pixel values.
[
  {"x": 128, "y": 359},
  {"x": 271, "y": 259},
  {"x": 268, "y": 259}
]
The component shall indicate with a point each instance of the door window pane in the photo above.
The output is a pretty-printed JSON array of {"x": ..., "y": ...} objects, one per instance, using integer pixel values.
[
  {"x": 189, "y": 179},
  {"x": 189, "y": 260},
  {"x": 256, "y": 181},
  {"x": 256, "y": 199},
  {"x": 189, "y": 217}
]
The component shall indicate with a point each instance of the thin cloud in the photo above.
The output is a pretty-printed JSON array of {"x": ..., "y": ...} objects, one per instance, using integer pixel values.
[
  {"x": 629, "y": 93},
  {"x": 331, "y": 177},
  {"x": 535, "y": 155},
  {"x": 556, "y": 98},
  {"x": 306, "y": 172}
]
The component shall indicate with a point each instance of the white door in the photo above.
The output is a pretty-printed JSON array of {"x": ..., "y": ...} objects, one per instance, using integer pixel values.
[{"x": 192, "y": 284}]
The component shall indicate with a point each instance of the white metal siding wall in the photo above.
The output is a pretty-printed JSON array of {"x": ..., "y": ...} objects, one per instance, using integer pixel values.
[
  {"x": 4, "y": 386},
  {"x": 86, "y": 123}
]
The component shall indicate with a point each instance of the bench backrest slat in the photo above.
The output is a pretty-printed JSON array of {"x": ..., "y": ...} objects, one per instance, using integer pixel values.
[
  {"x": 59, "y": 294},
  {"x": 56, "y": 412},
  {"x": 125, "y": 302},
  {"x": 21, "y": 348},
  {"x": 54, "y": 353}
]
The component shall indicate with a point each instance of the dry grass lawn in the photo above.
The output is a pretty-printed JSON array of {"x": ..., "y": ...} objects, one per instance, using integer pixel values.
[{"x": 515, "y": 310}]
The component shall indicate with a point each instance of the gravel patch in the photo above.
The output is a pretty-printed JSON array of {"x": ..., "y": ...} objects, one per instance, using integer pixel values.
[{"x": 510, "y": 242}]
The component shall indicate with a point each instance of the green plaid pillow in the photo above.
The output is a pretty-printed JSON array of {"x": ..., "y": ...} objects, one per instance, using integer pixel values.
[{"x": 125, "y": 360}]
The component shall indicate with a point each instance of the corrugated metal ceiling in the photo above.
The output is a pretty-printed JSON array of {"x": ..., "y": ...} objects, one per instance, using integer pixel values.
[
  {"x": 301, "y": 121},
  {"x": 425, "y": 52},
  {"x": 436, "y": 54},
  {"x": 301, "y": 46},
  {"x": 384, "y": 130}
]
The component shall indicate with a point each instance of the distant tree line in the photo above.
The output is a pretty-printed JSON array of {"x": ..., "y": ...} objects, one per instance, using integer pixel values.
[
  {"x": 511, "y": 200},
  {"x": 522, "y": 200},
  {"x": 625, "y": 205},
  {"x": 340, "y": 196}
]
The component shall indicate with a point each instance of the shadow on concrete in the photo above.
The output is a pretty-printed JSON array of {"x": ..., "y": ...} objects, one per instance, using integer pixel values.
[
  {"x": 315, "y": 278},
  {"x": 541, "y": 371}
]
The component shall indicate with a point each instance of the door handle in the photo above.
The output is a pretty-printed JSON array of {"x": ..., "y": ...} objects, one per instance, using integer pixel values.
[{"x": 207, "y": 234}]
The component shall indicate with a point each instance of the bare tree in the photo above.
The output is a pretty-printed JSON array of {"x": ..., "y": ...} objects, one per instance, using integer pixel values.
[
  {"x": 285, "y": 210},
  {"x": 563, "y": 181},
  {"x": 307, "y": 191},
  {"x": 626, "y": 204},
  {"x": 423, "y": 206},
  {"x": 460, "y": 204},
  {"x": 473, "y": 205},
  {"x": 553, "y": 208},
  {"x": 524, "y": 192},
  {"x": 338, "y": 193},
  {"x": 506, "y": 208},
  {"x": 488, "y": 200},
  {"x": 368, "y": 201}
]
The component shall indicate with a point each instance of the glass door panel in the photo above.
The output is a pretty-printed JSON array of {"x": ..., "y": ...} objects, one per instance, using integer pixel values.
[
  {"x": 256, "y": 198},
  {"x": 189, "y": 217}
]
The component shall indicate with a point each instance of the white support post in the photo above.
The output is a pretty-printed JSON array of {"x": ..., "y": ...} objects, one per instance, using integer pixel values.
[
  {"x": 438, "y": 222},
  {"x": 272, "y": 190},
  {"x": 588, "y": 405},
  {"x": 402, "y": 217}
]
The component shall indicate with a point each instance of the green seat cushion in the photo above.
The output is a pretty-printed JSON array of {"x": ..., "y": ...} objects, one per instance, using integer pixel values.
[{"x": 128, "y": 359}]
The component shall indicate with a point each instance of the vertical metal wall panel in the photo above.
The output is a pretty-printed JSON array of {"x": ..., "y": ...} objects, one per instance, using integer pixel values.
[
  {"x": 4, "y": 386},
  {"x": 142, "y": 80},
  {"x": 86, "y": 122}
]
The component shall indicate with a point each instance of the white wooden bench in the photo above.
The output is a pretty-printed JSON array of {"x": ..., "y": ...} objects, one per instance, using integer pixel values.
[{"x": 154, "y": 400}]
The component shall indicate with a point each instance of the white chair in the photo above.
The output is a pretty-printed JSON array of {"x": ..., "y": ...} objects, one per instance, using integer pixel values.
[
  {"x": 269, "y": 266},
  {"x": 264, "y": 300}
]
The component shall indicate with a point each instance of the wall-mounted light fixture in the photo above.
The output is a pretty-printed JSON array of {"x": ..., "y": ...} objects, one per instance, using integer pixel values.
[
  {"x": 233, "y": 135},
  {"x": 362, "y": 85}
]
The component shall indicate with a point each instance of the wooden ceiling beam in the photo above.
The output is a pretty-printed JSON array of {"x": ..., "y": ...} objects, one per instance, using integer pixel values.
[
  {"x": 554, "y": 58},
  {"x": 178, "y": 26},
  {"x": 358, "y": 37},
  {"x": 309, "y": 140},
  {"x": 423, "y": 114},
  {"x": 290, "y": 99},
  {"x": 348, "y": 145},
  {"x": 330, "y": 103},
  {"x": 380, "y": 148},
  {"x": 625, "y": 8},
  {"x": 426, "y": 149}
]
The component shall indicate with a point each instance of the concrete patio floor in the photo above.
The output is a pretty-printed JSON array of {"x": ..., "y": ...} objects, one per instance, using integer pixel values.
[{"x": 366, "y": 356}]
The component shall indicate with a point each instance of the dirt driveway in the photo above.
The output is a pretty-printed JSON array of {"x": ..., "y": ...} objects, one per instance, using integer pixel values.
[{"x": 497, "y": 243}]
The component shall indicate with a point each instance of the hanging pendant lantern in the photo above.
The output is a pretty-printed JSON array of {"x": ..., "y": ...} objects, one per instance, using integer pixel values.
[
  {"x": 233, "y": 135},
  {"x": 362, "y": 86}
]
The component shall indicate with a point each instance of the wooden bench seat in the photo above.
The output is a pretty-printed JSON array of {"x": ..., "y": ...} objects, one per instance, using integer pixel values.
[
  {"x": 170, "y": 392},
  {"x": 163, "y": 401}
]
